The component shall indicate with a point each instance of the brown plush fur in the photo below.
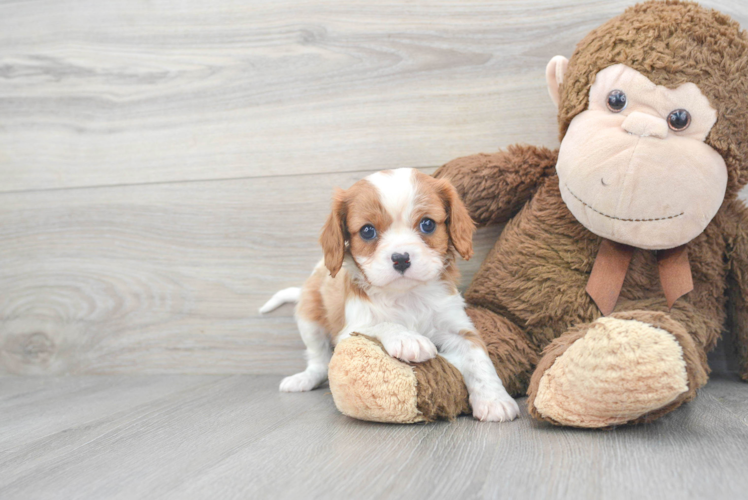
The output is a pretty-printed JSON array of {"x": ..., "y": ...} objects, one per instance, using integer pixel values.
[
  {"x": 737, "y": 283},
  {"x": 673, "y": 43},
  {"x": 529, "y": 295},
  {"x": 537, "y": 273},
  {"x": 442, "y": 394},
  {"x": 512, "y": 356},
  {"x": 495, "y": 186}
]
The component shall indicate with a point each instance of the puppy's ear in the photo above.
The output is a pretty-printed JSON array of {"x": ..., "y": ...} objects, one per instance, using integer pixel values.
[
  {"x": 459, "y": 223},
  {"x": 334, "y": 234}
]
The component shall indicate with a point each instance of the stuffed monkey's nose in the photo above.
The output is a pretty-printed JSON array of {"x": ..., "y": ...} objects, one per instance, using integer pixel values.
[
  {"x": 401, "y": 261},
  {"x": 645, "y": 125}
]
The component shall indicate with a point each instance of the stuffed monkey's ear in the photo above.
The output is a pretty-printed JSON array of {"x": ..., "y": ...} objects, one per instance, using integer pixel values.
[
  {"x": 459, "y": 223},
  {"x": 554, "y": 77},
  {"x": 334, "y": 233}
]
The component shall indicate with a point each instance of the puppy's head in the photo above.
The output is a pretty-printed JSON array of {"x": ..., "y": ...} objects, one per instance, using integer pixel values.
[{"x": 401, "y": 227}]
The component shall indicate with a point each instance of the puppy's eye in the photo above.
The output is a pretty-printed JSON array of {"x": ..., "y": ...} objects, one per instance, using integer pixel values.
[
  {"x": 679, "y": 120},
  {"x": 368, "y": 232},
  {"x": 427, "y": 225},
  {"x": 616, "y": 101}
]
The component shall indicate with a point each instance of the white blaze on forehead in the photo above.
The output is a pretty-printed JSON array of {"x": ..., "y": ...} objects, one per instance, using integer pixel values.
[{"x": 396, "y": 192}]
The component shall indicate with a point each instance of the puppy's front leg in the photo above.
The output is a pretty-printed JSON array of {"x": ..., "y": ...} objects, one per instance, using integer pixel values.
[
  {"x": 398, "y": 341},
  {"x": 488, "y": 398}
]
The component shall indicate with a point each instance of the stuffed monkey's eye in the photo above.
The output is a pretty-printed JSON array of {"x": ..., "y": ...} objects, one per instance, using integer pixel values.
[
  {"x": 679, "y": 120},
  {"x": 616, "y": 101},
  {"x": 427, "y": 225},
  {"x": 368, "y": 232}
]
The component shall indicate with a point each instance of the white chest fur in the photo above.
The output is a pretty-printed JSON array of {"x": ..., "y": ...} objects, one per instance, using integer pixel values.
[{"x": 432, "y": 309}]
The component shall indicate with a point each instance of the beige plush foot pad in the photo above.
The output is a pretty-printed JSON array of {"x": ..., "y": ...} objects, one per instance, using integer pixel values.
[
  {"x": 368, "y": 384},
  {"x": 617, "y": 372}
]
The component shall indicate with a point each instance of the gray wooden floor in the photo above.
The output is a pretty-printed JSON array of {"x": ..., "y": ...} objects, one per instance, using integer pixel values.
[{"x": 235, "y": 436}]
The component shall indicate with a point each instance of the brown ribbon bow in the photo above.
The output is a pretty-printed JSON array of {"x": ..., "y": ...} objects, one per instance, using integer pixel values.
[{"x": 612, "y": 263}]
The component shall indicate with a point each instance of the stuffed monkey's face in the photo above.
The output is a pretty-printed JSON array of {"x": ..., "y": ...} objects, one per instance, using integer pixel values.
[{"x": 634, "y": 167}]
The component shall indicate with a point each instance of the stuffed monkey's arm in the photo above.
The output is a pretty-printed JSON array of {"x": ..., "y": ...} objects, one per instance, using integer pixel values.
[
  {"x": 737, "y": 284},
  {"x": 495, "y": 186}
]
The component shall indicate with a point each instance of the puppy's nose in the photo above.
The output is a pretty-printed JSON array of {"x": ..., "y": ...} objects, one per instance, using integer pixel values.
[{"x": 401, "y": 261}]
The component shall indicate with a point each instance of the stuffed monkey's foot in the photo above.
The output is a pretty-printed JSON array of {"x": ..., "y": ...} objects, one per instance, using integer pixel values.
[
  {"x": 369, "y": 384},
  {"x": 626, "y": 368}
]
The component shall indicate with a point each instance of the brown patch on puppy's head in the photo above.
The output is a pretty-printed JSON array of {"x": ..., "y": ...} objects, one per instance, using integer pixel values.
[
  {"x": 461, "y": 226},
  {"x": 352, "y": 209},
  {"x": 439, "y": 201},
  {"x": 334, "y": 233},
  {"x": 365, "y": 208}
]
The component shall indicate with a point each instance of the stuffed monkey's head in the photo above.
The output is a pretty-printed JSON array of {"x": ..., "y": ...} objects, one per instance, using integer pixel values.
[{"x": 653, "y": 110}]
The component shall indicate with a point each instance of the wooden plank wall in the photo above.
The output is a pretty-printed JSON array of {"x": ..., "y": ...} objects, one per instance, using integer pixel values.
[{"x": 166, "y": 166}]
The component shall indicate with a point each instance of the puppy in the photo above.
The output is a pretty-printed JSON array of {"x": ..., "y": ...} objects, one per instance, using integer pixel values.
[{"x": 389, "y": 272}]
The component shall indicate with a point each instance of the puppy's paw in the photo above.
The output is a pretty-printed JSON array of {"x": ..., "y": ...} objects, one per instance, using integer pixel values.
[
  {"x": 494, "y": 408},
  {"x": 301, "y": 382},
  {"x": 409, "y": 346}
]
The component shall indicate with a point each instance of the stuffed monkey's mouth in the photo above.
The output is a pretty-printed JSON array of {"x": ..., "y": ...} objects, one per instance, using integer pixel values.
[{"x": 580, "y": 200}]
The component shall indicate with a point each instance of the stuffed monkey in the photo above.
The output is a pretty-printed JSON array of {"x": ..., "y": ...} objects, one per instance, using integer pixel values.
[{"x": 625, "y": 252}]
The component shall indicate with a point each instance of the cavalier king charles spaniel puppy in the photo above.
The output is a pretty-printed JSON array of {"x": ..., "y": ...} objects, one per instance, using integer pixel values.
[{"x": 389, "y": 272}]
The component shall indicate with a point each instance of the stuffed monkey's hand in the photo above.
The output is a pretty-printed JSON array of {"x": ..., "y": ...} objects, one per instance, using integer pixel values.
[{"x": 495, "y": 186}]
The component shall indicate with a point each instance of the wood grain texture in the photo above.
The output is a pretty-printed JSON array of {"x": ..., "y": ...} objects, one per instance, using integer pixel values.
[
  {"x": 161, "y": 278},
  {"x": 236, "y": 437},
  {"x": 102, "y": 93},
  {"x": 165, "y": 167}
]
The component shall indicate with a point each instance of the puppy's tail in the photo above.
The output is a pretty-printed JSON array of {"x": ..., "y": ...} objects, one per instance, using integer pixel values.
[{"x": 284, "y": 296}]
